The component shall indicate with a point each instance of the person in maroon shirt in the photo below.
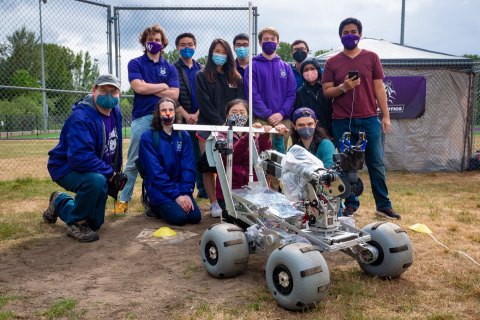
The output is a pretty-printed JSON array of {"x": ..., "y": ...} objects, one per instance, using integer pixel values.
[{"x": 355, "y": 109}]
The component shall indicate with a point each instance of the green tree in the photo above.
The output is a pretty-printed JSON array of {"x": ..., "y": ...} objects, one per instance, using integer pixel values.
[
  {"x": 283, "y": 50},
  {"x": 78, "y": 71},
  {"x": 319, "y": 52},
  {"x": 474, "y": 57},
  {"x": 202, "y": 60},
  {"x": 171, "y": 56}
]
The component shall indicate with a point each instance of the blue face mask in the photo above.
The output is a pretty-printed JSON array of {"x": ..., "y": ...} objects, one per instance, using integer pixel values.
[
  {"x": 107, "y": 101},
  {"x": 241, "y": 52},
  {"x": 219, "y": 59},
  {"x": 187, "y": 53}
]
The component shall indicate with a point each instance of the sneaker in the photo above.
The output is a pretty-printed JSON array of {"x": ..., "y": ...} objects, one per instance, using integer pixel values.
[
  {"x": 215, "y": 210},
  {"x": 82, "y": 232},
  {"x": 50, "y": 216},
  {"x": 202, "y": 195},
  {"x": 348, "y": 211},
  {"x": 121, "y": 207},
  {"x": 389, "y": 214}
]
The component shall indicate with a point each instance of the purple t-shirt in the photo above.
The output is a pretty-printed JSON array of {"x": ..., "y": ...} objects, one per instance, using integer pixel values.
[{"x": 111, "y": 134}]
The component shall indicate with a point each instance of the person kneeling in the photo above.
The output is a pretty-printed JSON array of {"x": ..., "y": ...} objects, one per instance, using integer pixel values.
[
  {"x": 85, "y": 161},
  {"x": 169, "y": 168}
]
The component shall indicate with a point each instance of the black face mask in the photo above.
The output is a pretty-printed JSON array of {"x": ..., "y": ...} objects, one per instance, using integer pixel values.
[{"x": 299, "y": 55}]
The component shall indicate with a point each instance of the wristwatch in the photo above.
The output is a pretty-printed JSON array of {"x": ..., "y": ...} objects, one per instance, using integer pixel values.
[{"x": 342, "y": 89}]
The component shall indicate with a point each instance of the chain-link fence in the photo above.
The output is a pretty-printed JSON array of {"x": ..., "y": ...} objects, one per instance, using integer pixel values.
[
  {"x": 205, "y": 23},
  {"x": 51, "y": 52}
]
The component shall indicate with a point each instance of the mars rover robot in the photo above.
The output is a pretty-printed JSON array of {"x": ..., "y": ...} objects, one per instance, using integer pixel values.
[{"x": 294, "y": 229}]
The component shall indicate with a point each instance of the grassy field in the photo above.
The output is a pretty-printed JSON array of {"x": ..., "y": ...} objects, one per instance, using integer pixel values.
[{"x": 439, "y": 285}]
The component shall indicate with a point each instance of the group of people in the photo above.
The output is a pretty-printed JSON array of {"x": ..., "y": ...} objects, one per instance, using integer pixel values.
[{"x": 312, "y": 106}]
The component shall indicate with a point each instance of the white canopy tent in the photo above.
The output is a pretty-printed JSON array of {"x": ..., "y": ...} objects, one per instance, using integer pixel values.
[{"x": 440, "y": 140}]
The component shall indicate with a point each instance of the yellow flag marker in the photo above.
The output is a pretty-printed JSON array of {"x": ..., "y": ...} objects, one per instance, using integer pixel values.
[
  {"x": 164, "y": 232},
  {"x": 420, "y": 227}
]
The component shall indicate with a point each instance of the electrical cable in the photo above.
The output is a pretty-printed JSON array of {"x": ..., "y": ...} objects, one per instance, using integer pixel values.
[
  {"x": 351, "y": 114},
  {"x": 453, "y": 250}
]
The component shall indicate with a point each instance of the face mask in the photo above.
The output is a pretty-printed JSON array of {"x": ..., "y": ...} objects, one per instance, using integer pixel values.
[
  {"x": 350, "y": 41},
  {"x": 241, "y": 52},
  {"x": 167, "y": 118},
  {"x": 219, "y": 59},
  {"x": 310, "y": 76},
  {"x": 306, "y": 132},
  {"x": 269, "y": 47},
  {"x": 299, "y": 55},
  {"x": 153, "y": 47},
  {"x": 240, "y": 119},
  {"x": 107, "y": 101},
  {"x": 187, "y": 53}
]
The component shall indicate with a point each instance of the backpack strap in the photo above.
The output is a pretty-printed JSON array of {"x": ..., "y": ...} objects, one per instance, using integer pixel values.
[{"x": 156, "y": 139}]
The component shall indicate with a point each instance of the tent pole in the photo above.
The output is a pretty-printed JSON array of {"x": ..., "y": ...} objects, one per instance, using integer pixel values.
[
  {"x": 402, "y": 31},
  {"x": 250, "y": 118}
]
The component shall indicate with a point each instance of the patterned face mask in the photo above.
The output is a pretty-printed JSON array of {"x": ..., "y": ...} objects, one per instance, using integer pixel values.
[
  {"x": 167, "y": 117},
  {"x": 240, "y": 119}
]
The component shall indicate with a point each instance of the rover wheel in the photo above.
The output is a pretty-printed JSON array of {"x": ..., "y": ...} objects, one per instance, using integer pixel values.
[
  {"x": 297, "y": 276},
  {"x": 395, "y": 250},
  {"x": 224, "y": 250}
]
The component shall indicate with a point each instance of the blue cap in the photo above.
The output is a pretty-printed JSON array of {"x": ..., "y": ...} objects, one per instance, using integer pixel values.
[{"x": 303, "y": 113}]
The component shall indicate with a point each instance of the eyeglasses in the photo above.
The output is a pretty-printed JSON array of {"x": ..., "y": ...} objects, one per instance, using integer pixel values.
[
  {"x": 105, "y": 91},
  {"x": 184, "y": 45},
  {"x": 303, "y": 49},
  {"x": 239, "y": 45}
]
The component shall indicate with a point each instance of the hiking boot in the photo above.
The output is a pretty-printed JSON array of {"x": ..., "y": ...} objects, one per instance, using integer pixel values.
[
  {"x": 50, "y": 216},
  {"x": 389, "y": 214},
  {"x": 348, "y": 211},
  {"x": 147, "y": 211},
  {"x": 82, "y": 232},
  {"x": 202, "y": 195},
  {"x": 121, "y": 207},
  {"x": 215, "y": 210}
]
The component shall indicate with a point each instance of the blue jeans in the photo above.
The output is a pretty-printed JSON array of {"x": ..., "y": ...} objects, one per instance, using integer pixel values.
[
  {"x": 373, "y": 156},
  {"x": 139, "y": 126},
  {"x": 175, "y": 215},
  {"x": 90, "y": 199},
  {"x": 197, "y": 154}
]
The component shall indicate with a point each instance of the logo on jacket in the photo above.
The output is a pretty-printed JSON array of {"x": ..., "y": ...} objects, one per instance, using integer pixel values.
[
  {"x": 283, "y": 73},
  {"x": 179, "y": 146},
  {"x": 163, "y": 71}
]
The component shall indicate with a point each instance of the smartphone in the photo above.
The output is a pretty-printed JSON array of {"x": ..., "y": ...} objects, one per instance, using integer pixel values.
[{"x": 353, "y": 74}]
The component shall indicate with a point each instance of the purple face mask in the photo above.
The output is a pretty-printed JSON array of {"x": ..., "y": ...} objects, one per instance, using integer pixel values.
[
  {"x": 153, "y": 47},
  {"x": 350, "y": 41},
  {"x": 269, "y": 47}
]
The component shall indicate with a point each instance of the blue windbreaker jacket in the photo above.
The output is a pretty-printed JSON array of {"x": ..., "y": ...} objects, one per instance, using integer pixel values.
[
  {"x": 170, "y": 169},
  {"x": 82, "y": 141}
]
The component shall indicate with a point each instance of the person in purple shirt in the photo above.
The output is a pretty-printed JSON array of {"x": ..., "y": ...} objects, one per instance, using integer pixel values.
[
  {"x": 241, "y": 47},
  {"x": 273, "y": 86},
  {"x": 151, "y": 78}
]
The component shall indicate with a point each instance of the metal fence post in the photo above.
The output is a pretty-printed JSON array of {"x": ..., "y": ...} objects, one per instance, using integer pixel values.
[
  {"x": 255, "y": 15},
  {"x": 44, "y": 98},
  {"x": 109, "y": 38}
]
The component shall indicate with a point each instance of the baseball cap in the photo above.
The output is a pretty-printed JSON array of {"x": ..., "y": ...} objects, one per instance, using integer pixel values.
[
  {"x": 302, "y": 113},
  {"x": 108, "y": 79}
]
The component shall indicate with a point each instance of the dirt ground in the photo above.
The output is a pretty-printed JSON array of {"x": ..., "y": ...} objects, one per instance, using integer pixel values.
[{"x": 117, "y": 276}]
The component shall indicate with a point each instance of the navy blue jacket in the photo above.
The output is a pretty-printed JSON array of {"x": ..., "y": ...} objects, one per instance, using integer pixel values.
[
  {"x": 82, "y": 141},
  {"x": 170, "y": 169}
]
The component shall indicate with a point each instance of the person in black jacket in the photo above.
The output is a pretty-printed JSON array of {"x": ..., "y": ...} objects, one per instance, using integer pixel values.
[
  {"x": 215, "y": 86},
  {"x": 310, "y": 95},
  {"x": 187, "y": 69}
]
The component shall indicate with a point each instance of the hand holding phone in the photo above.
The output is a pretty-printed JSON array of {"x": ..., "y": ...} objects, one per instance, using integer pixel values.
[{"x": 351, "y": 81}]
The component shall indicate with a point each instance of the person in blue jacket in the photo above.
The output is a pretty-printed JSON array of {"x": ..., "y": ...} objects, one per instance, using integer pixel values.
[
  {"x": 170, "y": 168},
  {"x": 307, "y": 134},
  {"x": 86, "y": 159}
]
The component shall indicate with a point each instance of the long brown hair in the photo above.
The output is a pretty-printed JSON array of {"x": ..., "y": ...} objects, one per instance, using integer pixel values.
[
  {"x": 157, "y": 121},
  {"x": 229, "y": 67}
]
